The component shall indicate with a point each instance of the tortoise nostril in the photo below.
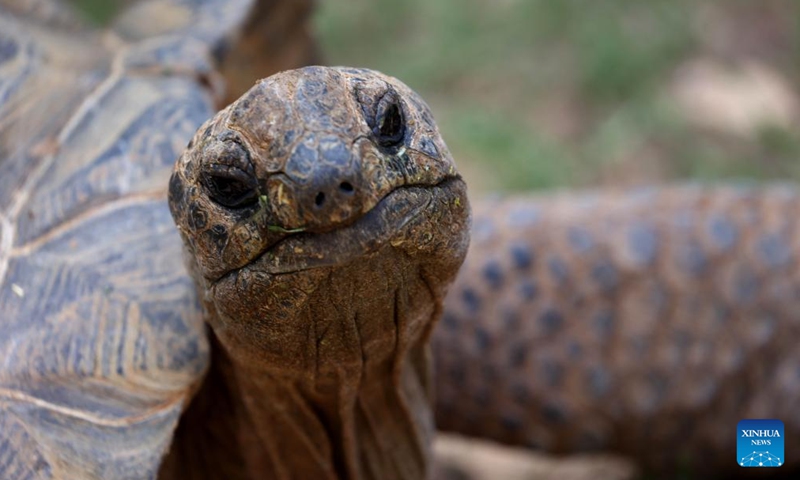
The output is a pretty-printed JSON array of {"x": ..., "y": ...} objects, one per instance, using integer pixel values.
[
  {"x": 319, "y": 199},
  {"x": 346, "y": 187}
]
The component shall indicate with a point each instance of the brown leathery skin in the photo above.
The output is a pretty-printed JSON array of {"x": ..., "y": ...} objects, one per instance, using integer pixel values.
[
  {"x": 323, "y": 220},
  {"x": 646, "y": 323}
]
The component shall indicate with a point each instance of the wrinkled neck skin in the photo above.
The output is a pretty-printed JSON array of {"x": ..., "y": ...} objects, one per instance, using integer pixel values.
[
  {"x": 360, "y": 405},
  {"x": 350, "y": 397}
]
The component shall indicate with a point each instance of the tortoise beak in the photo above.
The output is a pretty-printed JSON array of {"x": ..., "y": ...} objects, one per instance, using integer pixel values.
[{"x": 323, "y": 187}]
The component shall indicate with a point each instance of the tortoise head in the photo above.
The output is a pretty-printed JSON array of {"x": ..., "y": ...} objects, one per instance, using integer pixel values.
[{"x": 311, "y": 171}]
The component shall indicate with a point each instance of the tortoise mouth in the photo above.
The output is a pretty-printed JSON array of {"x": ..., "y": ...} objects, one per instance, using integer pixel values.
[{"x": 382, "y": 224}]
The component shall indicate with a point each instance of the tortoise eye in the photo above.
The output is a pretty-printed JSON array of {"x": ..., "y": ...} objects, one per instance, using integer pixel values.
[
  {"x": 230, "y": 186},
  {"x": 389, "y": 127}
]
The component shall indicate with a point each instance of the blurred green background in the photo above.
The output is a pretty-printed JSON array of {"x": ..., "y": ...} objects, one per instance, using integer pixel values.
[
  {"x": 539, "y": 93},
  {"x": 534, "y": 94}
]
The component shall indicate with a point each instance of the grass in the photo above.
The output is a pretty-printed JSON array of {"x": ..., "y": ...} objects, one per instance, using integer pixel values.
[{"x": 97, "y": 11}]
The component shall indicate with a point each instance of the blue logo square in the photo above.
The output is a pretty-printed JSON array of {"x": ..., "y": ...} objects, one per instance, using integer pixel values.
[{"x": 759, "y": 443}]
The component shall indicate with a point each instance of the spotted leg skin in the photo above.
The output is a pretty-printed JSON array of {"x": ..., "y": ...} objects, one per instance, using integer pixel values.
[{"x": 646, "y": 323}]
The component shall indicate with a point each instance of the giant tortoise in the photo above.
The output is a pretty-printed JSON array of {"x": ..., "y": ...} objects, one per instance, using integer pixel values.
[{"x": 323, "y": 221}]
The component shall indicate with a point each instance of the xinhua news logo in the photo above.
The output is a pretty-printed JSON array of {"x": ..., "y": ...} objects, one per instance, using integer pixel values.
[{"x": 759, "y": 443}]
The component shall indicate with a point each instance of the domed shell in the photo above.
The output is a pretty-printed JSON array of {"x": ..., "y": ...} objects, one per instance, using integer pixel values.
[{"x": 101, "y": 336}]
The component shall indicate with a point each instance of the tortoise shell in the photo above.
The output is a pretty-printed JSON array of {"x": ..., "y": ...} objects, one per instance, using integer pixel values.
[{"x": 101, "y": 336}]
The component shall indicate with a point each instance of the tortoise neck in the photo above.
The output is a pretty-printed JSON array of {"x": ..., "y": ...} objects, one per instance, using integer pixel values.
[
  {"x": 244, "y": 424},
  {"x": 370, "y": 424},
  {"x": 339, "y": 388}
]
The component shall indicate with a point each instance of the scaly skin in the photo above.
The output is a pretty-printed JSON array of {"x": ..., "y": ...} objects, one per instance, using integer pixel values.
[{"x": 646, "y": 323}]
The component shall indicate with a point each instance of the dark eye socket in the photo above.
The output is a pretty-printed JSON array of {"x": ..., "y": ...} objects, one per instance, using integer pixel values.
[
  {"x": 230, "y": 186},
  {"x": 390, "y": 126}
]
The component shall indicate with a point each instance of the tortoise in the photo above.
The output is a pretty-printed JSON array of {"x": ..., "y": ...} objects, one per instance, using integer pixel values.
[{"x": 331, "y": 191}]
